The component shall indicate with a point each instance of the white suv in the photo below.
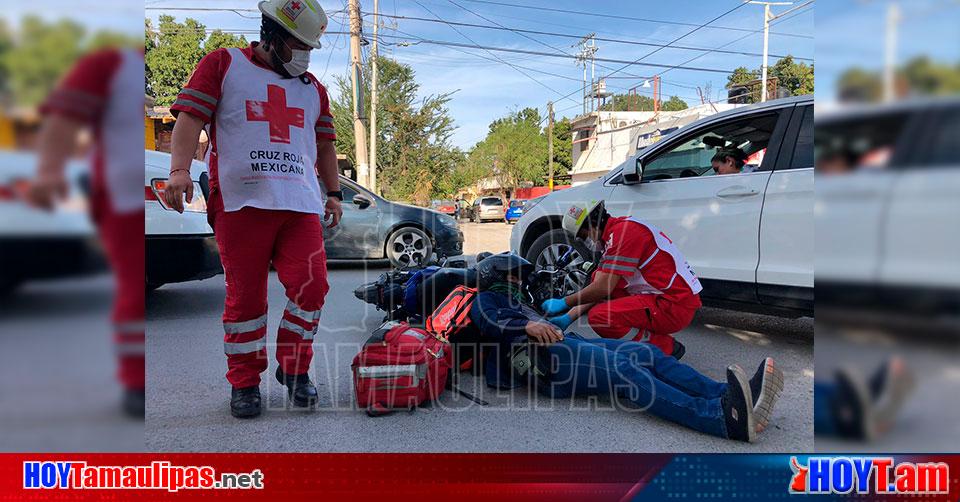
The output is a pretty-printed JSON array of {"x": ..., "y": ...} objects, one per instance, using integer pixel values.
[
  {"x": 179, "y": 247},
  {"x": 749, "y": 236}
]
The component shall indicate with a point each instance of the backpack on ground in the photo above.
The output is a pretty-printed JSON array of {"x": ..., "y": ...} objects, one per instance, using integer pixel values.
[{"x": 400, "y": 367}]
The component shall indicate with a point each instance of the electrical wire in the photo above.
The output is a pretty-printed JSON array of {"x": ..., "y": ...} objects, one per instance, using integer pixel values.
[
  {"x": 519, "y": 31},
  {"x": 627, "y": 18}
]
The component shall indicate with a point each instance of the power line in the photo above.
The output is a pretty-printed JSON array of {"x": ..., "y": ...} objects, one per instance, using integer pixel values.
[
  {"x": 627, "y": 18},
  {"x": 573, "y": 36},
  {"x": 548, "y": 54},
  {"x": 735, "y": 41},
  {"x": 488, "y": 51}
]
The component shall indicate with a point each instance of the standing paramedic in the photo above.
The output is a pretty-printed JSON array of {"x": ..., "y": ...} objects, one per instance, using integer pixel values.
[
  {"x": 643, "y": 290},
  {"x": 271, "y": 134}
]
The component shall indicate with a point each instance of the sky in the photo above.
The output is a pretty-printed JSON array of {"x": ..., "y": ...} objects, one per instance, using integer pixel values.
[
  {"x": 485, "y": 86},
  {"x": 851, "y": 33}
]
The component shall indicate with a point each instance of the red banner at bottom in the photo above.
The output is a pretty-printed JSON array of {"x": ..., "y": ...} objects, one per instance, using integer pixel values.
[{"x": 476, "y": 476}]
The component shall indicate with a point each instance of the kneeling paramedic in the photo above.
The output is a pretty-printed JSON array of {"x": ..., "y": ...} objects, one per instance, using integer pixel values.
[
  {"x": 271, "y": 136},
  {"x": 643, "y": 289},
  {"x": 526, "y": 349}
]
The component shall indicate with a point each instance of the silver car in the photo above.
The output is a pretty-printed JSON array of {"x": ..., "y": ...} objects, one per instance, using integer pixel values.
[{"x": 486, "y": 209}]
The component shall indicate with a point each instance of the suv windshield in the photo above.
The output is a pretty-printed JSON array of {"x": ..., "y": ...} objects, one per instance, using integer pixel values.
[{"x": 491, "y": 201}]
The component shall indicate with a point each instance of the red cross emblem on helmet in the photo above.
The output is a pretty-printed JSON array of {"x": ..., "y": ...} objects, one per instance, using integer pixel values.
[{"x": 293, "y": 8}]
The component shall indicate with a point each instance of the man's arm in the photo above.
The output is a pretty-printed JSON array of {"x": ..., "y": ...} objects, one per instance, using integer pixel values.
[
  {"x": 330, "y": 176},
  {"x": 183, "y": 146},
  {"x": 57, "y": 141},
  {"x": 599, "y": 290}
]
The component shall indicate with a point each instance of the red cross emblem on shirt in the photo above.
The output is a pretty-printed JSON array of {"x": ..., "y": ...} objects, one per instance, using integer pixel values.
[{"x": 275, "y": 111}]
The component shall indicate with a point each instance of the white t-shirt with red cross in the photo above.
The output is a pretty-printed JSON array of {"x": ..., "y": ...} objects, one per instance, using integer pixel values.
[
  {"x": 264, "y": 131},
  {"x": 104, "y": 90},
  {"x": 648, "y": 261}
]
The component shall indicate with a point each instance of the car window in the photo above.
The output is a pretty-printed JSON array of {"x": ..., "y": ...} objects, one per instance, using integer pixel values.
[
  {"x": 516, "y": 203},
  {"x": 492, "y": 201},
  {"x": 844, "y": 145},
  {"x": 803, "y": 150},
  {"x": 348, "y": 193},
  {"x": 944, "y": 148},
  {"x": 691, "y": 158}
]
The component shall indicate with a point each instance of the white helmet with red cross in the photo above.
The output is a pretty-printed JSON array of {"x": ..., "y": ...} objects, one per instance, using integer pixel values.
[
  {"x": 577, "y": 215},
  {"x": 304, "y": 19}
]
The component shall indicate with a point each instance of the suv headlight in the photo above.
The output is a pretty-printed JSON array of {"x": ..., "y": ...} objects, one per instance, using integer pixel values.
[{"x": 533, "y": 202}]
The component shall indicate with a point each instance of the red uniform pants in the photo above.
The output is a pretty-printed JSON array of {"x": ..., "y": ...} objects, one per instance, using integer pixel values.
[
  {"x": 122, "y": 238},
  {"x": 650, "y": 318},
  {"x": 249, "y": 241}
]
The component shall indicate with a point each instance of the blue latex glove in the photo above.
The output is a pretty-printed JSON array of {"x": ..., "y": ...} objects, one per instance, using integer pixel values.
[
  {"x": 554, "y": 306},
  {"x": 562, "y": 321}
]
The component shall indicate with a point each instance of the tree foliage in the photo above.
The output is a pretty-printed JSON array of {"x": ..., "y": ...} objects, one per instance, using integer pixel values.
[
  {"x": 173, "y": 50},
  {"x": 415, "y": 160},
  {"x": 795, "y": 78},
  {"x": 514, "y": 151},
  {"x": 640, "y": 103},
  {"x": 920, "y": 75}
]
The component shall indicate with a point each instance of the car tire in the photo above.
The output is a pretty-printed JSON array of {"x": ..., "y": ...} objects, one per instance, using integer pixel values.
[
  {"x": 408, "y": 247},
  {"x": 556, "y": 237}
]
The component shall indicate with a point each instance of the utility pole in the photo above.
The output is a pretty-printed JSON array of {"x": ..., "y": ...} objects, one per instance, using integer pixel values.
[
  {"x": 550, "y": 144},
  {"x": 373, "y": 99},
  {"x": 588, "y": 47},
  {"x": 359, "y": 131},
  {"x": 890, "y": 52},
  {"x": 767, "y": 17}
]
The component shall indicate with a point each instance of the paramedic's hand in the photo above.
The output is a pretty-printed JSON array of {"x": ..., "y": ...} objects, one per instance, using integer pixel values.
[
  {"x": 332, "y": 211},
  {"x": 562, "y": 321},
  {"x": 554, "y": 306},
  {"x": 543, "y": 333},
  {"x": 178, "y": 184},
  {"x": 46, "y": 190}
]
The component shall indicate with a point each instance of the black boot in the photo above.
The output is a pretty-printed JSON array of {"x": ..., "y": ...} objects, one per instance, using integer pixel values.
[
  {"x": 134, "y": 403},
  {"x": 678, "y": 350},
  {"x": 245, "y": 402},
  {"x": 737, "y": 406},
  {"x": 300, "y": 389}
]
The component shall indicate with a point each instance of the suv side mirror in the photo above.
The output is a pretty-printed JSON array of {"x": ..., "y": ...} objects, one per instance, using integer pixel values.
[
  {"x": 361, "y": 201},
  {"x": 632, "y": 178}
]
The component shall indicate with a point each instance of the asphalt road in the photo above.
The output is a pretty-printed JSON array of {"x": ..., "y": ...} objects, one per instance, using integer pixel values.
[
  {"x": 187, "y": 394},
  {"x": 57, "y": 368}
]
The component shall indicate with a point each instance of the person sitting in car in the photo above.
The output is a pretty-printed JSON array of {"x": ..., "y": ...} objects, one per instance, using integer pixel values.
[
  {"x": 729, "y": 161},
  {"x": 526, "y": 349}
]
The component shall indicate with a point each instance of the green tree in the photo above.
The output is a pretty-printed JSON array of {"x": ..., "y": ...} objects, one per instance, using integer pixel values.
[
  {"x": 920, "y": 75},
  {"x": 562, "y": 148},
  {"x": 221, "y": 40},
  {"x": 796, "y": 78},
  {"x": 6, "y": 43},
  {"x": 514, "y": 151},
  {"x": 415, "y": 160},
  {"x": 674, "y": 104},
  {"x": 171, "y": 57},
  {"x": 43, "y": 53}
]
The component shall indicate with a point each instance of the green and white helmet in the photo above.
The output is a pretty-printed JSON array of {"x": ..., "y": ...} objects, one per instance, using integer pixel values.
[{"x": 578, "y": 214}]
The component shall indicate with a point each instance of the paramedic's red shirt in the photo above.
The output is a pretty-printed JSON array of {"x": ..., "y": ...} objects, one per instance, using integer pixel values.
[
  {"x": 85, "y": 91},
  {"x": 635, "y": 242},
  {"x": 202, "y": 92}
]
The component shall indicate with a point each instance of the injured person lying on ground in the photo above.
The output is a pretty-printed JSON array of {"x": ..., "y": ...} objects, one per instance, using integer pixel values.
[{"x": 526, "y": 349}]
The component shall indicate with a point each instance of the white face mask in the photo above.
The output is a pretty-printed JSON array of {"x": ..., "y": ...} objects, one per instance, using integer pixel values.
[{"x": 299, "y": 61}]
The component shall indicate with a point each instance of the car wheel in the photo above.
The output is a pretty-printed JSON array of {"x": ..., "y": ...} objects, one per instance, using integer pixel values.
[
  {"x": 409, "y": 247},
  {"x": 549, "y": 247}
]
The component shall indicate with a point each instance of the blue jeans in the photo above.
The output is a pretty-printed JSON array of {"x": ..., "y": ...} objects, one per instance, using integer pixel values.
[{"x": 640, "y": 373}]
